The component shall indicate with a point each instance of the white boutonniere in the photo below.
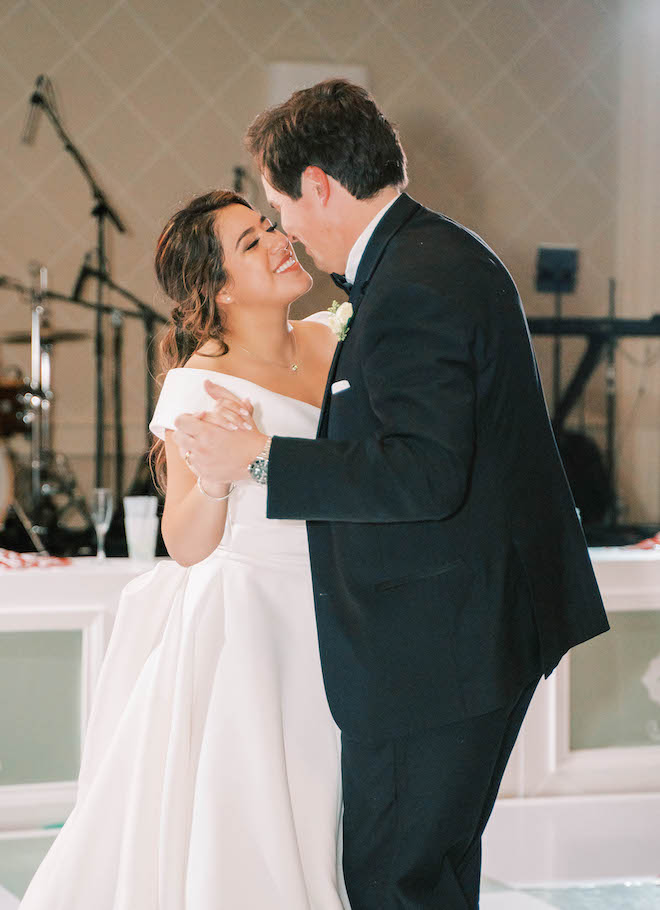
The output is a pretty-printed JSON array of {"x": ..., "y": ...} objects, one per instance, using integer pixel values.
[{"x": 341, "y": 315}]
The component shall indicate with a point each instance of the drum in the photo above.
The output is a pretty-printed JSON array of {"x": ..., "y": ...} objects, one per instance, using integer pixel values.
[
  {"x": 6, "y": 483},
  {"x": 16, "y": 411}
]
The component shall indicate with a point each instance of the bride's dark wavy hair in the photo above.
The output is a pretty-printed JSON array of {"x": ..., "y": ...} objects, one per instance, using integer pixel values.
[{"x": 191, "y": 271}]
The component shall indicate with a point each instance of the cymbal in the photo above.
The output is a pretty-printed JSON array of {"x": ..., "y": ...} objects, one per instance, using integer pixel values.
[{"x": 46, "y": 337}]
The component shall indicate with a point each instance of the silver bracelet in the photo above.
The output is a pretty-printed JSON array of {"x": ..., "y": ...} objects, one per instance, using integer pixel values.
[{"x": 201, "y": 489}]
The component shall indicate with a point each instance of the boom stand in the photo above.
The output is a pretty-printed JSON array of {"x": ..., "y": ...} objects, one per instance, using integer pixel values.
[{"x": 102, "y": 210}]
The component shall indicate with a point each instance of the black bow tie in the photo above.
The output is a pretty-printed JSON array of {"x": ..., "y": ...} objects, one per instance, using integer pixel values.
[{"x": 341, "y": 282}]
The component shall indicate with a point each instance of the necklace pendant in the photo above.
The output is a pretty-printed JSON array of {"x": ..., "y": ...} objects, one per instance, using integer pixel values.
[{"x": 294, "y": 367}]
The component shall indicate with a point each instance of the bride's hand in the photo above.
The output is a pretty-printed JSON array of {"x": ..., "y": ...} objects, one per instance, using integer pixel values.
[
  {"x": 229, "y": 411},
  {"x": 209, "y": 449}
]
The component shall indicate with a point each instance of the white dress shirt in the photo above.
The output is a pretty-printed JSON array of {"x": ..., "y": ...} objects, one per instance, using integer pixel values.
[{"x": 360, "y": 244}]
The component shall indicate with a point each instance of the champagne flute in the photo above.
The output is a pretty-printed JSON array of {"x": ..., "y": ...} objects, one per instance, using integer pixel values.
[{"x": 101, "y": 512}]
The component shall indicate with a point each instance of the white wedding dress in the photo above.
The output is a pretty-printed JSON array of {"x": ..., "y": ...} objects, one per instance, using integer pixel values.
[{"x": 210, "y": 777}]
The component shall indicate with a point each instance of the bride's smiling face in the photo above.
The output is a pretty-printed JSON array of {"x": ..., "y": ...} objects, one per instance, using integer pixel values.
[{"x": 261, "y": 265}]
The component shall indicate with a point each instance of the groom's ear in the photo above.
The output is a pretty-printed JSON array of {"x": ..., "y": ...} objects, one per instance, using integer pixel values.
[{"x": 315, "y": 181}]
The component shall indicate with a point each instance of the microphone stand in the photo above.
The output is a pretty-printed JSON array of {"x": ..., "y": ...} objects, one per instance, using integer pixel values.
[
  {"x": 610, "y": 396},
  {"x": 150, "y": 317},
  {"x": 36, "y": 443},
  {"x": 102, "y": 211},
  {"x": 117, "y": 323}
]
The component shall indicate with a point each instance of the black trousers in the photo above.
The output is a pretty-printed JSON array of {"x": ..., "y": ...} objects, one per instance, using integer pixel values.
[{"x": 415, "y": 809}]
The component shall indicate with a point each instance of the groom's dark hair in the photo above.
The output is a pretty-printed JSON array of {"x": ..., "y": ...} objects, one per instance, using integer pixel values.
[{"x": 334, "y": 125}]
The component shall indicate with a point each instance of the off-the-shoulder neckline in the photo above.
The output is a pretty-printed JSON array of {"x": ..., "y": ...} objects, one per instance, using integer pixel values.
[{"x": 249, "y": 382}]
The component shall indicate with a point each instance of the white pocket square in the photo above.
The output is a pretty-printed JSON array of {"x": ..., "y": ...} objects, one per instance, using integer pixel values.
[{"x": 339, "y": 386}]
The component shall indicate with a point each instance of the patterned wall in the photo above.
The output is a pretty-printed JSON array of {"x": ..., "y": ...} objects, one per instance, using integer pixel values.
[{"x": 507, "y": 109}]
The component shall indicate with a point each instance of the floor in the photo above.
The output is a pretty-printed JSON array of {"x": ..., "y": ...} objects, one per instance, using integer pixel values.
[
  {"x": 19, "y": 858},
  {"x": 597, "y": 896},
  {"x": 623, "y": 896}
]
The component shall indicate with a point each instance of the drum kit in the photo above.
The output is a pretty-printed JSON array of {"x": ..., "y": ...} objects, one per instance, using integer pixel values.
[
  {"x": 38, "y": 486},
  {"x": 38, "y": 489}
]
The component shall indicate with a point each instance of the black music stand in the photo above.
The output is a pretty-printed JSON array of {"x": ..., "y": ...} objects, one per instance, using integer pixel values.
[{"x": 556, "y": 273}]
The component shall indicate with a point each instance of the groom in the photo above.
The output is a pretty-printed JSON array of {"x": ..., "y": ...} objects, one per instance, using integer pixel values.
[{"x": 450, "y": 571}]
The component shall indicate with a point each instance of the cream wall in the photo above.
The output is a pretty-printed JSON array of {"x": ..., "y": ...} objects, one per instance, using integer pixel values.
[
  {"x": 638, "y": 262},
  {"x": 508, "y": 110}
]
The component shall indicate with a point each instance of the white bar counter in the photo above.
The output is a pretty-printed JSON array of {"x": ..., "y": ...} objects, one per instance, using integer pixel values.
[
  {"x": 55, "y": 625},
  {"x": 580, "y": 799}
]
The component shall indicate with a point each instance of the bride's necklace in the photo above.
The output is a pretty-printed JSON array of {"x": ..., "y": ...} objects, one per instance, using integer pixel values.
[{"x": 293, "y": 365}]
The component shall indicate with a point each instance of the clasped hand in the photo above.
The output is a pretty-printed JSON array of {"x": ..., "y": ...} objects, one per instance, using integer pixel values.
[{"x": 218, "y": 445}]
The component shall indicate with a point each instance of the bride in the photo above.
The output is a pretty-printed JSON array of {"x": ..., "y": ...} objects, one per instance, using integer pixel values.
[{"x": 210, "y": 776}]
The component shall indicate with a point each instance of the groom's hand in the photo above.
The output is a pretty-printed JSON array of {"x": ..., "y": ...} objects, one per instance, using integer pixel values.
[{"x": 215, "y": 452}]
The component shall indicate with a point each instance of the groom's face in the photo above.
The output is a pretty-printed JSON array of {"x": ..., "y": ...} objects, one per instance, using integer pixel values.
[{"x": 306, "y": 220}]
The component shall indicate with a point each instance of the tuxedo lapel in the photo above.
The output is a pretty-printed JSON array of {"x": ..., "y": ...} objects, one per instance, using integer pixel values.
[
  {"x": 391, "y": 222},
  {"x": 325, "y": 406}
]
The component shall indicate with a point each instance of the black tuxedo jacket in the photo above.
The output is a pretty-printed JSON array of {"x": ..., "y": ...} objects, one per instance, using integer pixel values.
[{"x": 448, "y": 562}]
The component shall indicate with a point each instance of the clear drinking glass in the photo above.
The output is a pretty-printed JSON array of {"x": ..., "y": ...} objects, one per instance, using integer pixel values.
[
  {"x": 141, "y": 523},
  {"x": 101, "y": 512}
]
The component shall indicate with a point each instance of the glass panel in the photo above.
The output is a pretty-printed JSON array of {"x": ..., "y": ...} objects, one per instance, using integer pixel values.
[
  {"x": 615, "y": 685},
  {"x": 40, "y": 679},
  {"x": 20, "y": 858}
]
